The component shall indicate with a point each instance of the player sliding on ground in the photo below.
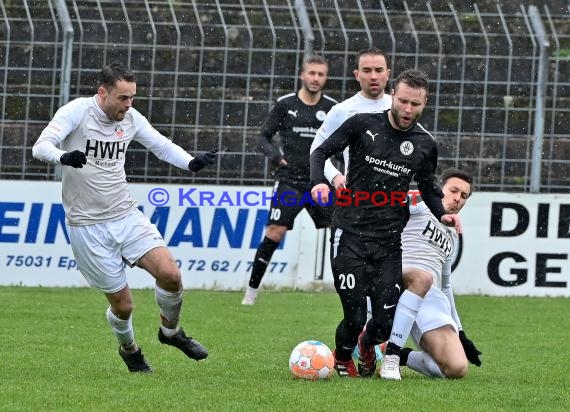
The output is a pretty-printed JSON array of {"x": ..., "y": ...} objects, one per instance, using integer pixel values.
[{"x": 428, "y": 251}]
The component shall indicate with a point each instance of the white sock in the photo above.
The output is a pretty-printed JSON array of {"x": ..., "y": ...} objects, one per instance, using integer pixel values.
[
  {"x": 123, "y": 330},
  {"x": 170, "y": 305},
  {"x": 168, "y": 332},
  {"x": 251, "y": 291},
  {"x": 423, "y": 363},
  {"x": 406, "y": 312}
]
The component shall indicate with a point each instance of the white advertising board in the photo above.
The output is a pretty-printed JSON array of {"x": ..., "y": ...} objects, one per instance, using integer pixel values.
[
  {"x": 212, "y": 232},
  {"x": 514, "y": 244}
]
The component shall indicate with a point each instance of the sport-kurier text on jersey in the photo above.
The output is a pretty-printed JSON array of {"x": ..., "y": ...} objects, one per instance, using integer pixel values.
[{"x": 381, "y": 159}]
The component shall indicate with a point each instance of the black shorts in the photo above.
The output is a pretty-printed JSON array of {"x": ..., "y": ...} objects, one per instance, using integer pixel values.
[
  {"x": 368, "y": 260},
  {"x": 365, "y": 266},
  {"x": 289, "y": 200}
]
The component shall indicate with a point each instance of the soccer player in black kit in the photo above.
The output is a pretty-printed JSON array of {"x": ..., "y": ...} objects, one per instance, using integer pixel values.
[
  {"x": 297, "y": 117},
  {"x": 386, "y": 150}
]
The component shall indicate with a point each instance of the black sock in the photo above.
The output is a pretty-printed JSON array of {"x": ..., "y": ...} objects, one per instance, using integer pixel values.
[
  {"x": 404, "y": 353},
  {"x": 393, "y": 349},
  {"x": 261, "y": 260}
]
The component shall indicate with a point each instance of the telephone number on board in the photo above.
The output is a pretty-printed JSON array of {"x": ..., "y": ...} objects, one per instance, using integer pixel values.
[
  {"x": 201, "y": 265},
  {"x": 190, "y": 265}
]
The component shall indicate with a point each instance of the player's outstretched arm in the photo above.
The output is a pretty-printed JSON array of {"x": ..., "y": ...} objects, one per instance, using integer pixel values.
[{"x": 202, "y": 160}]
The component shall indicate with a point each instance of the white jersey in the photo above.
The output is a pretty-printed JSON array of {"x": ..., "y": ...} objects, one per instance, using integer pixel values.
[
  {"x": 338, "y": 115},
  {"x": 98, "y": 192},
  {"x": 427, "y": 243},
  {"x": 430, "y": 245}
]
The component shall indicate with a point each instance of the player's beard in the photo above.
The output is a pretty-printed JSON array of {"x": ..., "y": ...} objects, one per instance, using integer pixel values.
[
  {"x": 312, "y": 89},
  {"x": 397, "y": 120},
  {"x": 118, "y": 114}
]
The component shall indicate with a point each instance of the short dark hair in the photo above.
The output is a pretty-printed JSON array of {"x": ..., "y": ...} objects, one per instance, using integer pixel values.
[
  {"x": 413, "y": 78},
  {"x": 314, "y": 59},
  {"x": 460, "y": 174},
  {"x": 375, "y": 51},
  {"x": 114, "y": 72}
]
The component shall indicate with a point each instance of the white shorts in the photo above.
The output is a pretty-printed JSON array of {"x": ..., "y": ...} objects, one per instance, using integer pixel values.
[
  {"x": 102, "y": 249},
  {"x": 434, "y": 313}
]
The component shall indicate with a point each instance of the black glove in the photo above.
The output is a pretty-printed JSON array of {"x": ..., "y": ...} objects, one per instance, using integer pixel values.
[
  {"x": 201, "y": 161},
  {"x": 471, "y": 351},
  {"x": 277, "y": 162},
  {"x": 74, "y": 159},
  {"x": 437, "y": 190}
]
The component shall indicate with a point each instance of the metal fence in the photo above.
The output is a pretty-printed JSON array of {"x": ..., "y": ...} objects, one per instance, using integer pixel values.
[{"x": 209, "y": 71}]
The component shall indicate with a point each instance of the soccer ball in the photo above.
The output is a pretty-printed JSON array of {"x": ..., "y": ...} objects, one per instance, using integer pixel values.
[{"x": 311, "y": 360}]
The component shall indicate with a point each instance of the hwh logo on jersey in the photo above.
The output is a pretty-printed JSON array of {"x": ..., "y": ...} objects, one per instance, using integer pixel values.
[
  {"x": 105, "y": 150},
  {"x": 436, "y": 236}
]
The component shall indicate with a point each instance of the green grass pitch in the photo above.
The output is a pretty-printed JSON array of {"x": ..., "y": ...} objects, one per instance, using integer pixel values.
[{"x": 57, "y": 353}]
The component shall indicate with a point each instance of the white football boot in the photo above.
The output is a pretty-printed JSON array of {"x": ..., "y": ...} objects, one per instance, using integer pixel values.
[
  {"x": 249, "y": 297},
  {"x": 391, "y": 368}
]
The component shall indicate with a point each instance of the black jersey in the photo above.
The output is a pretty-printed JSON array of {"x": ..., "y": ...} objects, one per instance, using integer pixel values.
[
  {"x": 382, "y": 163},
  {"x": 297, "y": 124}
]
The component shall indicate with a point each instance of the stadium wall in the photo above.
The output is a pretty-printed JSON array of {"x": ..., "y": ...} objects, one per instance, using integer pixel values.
[
  {"x": 209, "y": 71},
  {"x": 514, "y": 244}
]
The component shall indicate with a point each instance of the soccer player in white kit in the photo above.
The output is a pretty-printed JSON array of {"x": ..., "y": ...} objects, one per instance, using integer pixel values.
[
  {"x": 90, "y": 136},
  {"x": 428, "y": 251},
  {"x": 372, "y": 72}
]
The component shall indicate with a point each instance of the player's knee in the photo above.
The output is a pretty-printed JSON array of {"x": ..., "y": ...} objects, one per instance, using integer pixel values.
[
  {"x": 456, "y": 369},
  {"x": 355, "y": 322},
  {"x": 420, "y": 283},
  {"x": 122, "y": 309},
  {"x": 276, "y": 232},
  {"x": 169, "y": 278}
]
